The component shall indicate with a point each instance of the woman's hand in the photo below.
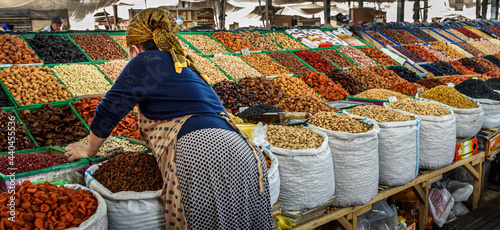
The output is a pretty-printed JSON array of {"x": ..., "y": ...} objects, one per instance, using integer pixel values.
[{"x": 76, "y": 151}]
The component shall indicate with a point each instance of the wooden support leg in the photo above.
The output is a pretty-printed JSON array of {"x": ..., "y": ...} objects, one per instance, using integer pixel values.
[
  {"x": 344, "y": 223},
  {"x": 476, "y": 171},
  {"x": 422, "y": 192}
]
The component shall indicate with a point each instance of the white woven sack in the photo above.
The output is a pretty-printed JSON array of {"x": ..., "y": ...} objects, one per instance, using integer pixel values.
[
  {"x": 127, "y": 209},
  {"x": 469, "y": 121},
  {"x": 491, "y": 110},
  {"x": 274, "y": 176},
  {"x": 306, "y": 176},
  {"x": 355, "y": 160},
  {"x": 98, "y": 221},
  {"x": 397, "y": 150},
  {"x": 437, "y": 139}
]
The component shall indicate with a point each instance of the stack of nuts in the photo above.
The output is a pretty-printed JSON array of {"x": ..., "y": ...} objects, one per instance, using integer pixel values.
[
  {"x": 338, "y": 122},
  {"x": 130, "y": 171},
  {"x": 290, "y": 62},
  {"x": 53, "y": 126},
  {"x": 460, "y": 50},
  {"x": 468, "y": 33},
  {"x": 285, "y": 41},
  {"x": 87, "y": 107},
  {"x": 390, "y": 76},
  {"x": 378, "y": 56},
  {"x": 395, "y": 36},
  {"x": 430, "y": 83},
  {"x": 461, "y": 68},
  {"x": 473, "y": 64},
  {"x": 421, "y": 34},
  {"x": 205, "y": 44},
  {"x": 348, "y": 82},
  {"x": 264, "y": 64},
  {"x": 112, "y": 143},
  {"x": 434, "y": 51},
  {"x": 99, "y": 46},
  {"x": 455, "y": 79},
  {"x": 233, "y": 96},
  {"x": 27, "y": 162},
  {"x": 487, "y": 64},
  {"x": 260, "y": 40},
  {"x": 380, "y": 114},
  {"x": 449, "y": 96},
  {"x": 113, "y": 68},
  {"x": 380, "y": 94},
  {"x": 235, "y": 67},
  {"x": 381, "y": 38},
  {"x": 369, "y": 78},
  {"x": 233, "y": 41},
  {"x": 315, "y": 60},
  {"x": 212, "y": 72},
  {"x": 82, "y": 79},
  {"x": 22, "y": 139},
  {"x": 121, "y": 40},
  {"x": 421, "y": 53},
  {"x": 445, "y": 33},
  {"x": 406, "y": 53},
  {"x": 267, "y": 91},
  {"x": 424, "y": 108},
  {"x": 406, "y": 88},
  {"x": 448, "y": 50},
  {"x": 15, "y": 51},
  {"x": 457, "y": 34},
  {"x": 46, "y": 206},
  {"x": 336, "y": 58},
  {"x": 357, "y": 56},
  {"x": 295, "y": 86},
  {"x": 31, "y": 85},
  {"x": 300, "y": 103},
  {"x": 473, "y": 50},
  {"x": 325, "y": 86},
  {"x": 293, "y": 137}
]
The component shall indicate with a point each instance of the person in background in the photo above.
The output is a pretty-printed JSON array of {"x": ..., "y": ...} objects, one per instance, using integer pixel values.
[
  {"x": 55, "y": 25},
  {"x": 8, "y": 27},
  {"x": 214, "y": 176}
]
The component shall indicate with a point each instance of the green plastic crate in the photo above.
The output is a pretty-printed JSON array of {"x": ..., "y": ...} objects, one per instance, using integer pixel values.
[{"x": 30, "y": 36}]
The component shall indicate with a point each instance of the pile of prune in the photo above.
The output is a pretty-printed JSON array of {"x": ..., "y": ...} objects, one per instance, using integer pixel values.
[{"x": 54, "y": 49}]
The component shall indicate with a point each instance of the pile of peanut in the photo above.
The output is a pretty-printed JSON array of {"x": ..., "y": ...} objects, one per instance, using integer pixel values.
[{"x": 293, "y": 137}]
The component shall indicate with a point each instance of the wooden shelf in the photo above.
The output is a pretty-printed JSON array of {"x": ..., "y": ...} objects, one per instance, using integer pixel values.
[{"x": 347, "y": 217}]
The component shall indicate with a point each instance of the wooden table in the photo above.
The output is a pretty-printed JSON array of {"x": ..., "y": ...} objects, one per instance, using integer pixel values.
[{"x": 347, "y": 217}]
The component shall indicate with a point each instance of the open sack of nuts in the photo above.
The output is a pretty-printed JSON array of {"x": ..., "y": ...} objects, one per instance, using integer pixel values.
[
  {"x": 398, "y": 143},
  {"x": 437, "y": 133},
  {"x": 34, "y": 202},
  {"x": 131, "y": 184},
  {"x": 354, "y": 146},
  {"x": 305, "y": 162},
  {"x": 468, "y": 112}
]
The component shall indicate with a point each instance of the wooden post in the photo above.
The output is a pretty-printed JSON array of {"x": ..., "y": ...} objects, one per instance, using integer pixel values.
[
  {"x": 422, "y": 192},
  {"x": 494, "y": 10},
  {"x": 115, "y": 16},
  {"x": 478, "y": 9},
  {"x": 326, "y": 9},
  {"x": 360, "y": 3},
  {"x": 401, "y": 11},
  {"x": 426, "y": 10},
  {"x": 484, "y": 9}
]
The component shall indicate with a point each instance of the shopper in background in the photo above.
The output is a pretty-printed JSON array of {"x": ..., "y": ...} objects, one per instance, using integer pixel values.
[
  {"x": 215, "y": 178},
  {"x": 55, "y": 25}
]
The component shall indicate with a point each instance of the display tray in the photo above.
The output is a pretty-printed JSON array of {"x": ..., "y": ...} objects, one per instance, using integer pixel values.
[
  {"x": 25, "y": 128},
  {"x": 25, "y": 37},
  {"x": 93, "y": 33},
  {"x": 180, "y": 35}
]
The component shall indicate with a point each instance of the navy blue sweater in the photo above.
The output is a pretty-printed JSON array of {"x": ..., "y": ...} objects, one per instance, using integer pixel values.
[{"x": 150, "y": 80}]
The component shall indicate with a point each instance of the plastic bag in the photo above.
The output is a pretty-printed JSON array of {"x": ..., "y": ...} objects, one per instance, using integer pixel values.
[
  {"x": 440, "y": 204},
  {"x": 459, "y": 190},
  {"x": 459, "y": 209},
  {"x": 437, "y": 137},
  {"x": 128, "y": 210},
  {"x": 355, "y": 160},
  {"x": 307, "y": 179},
  {"x": 380, "y": 217},
  {"x": 98, "y": 221},
  {"x": 398, "y": 145}
]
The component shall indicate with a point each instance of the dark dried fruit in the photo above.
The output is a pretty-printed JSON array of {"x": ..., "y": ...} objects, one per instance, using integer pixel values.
[
  {"x": 54, "y": 49},
  {"x": 21, "y": 141},
  {"x": 405, "y": 73},
  {"x": 477, "y": 89},
  {"x": 348, "y": 82},
  {"x": 445, "y": 68},
  {"x": 267, "y": 91},
  {"x": 99, "y": 46},
  {"x": 234, "y": 96}
]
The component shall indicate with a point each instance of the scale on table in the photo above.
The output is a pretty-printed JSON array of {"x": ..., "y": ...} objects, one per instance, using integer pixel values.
[
  {"x": 346, "y": 104},
  {"x": 280, "y": 118}
]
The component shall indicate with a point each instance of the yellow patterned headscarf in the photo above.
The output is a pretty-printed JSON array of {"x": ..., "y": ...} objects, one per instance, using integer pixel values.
[{"x": 159, "y": 25}]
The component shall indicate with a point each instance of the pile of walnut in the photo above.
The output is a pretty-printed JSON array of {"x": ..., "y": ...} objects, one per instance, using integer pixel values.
[{"x": 293, "y": 137}]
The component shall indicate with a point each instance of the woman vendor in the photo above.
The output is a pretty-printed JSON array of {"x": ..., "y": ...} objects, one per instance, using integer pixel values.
[{"x": 215, "y": 178}]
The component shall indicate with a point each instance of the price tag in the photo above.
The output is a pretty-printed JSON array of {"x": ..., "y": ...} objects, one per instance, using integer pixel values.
[
  {"x": 392, "y": 99},
  {"x": 245, "y": 51},
  {"x": 243, "y": 109},
  {"x": 420, "y": 90},
  {"x": 451, "y": 84},
  {"x": 475, "y": 78},
  {"x": 471, "y": 39},
  {"x": 219, "y": 54}
]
